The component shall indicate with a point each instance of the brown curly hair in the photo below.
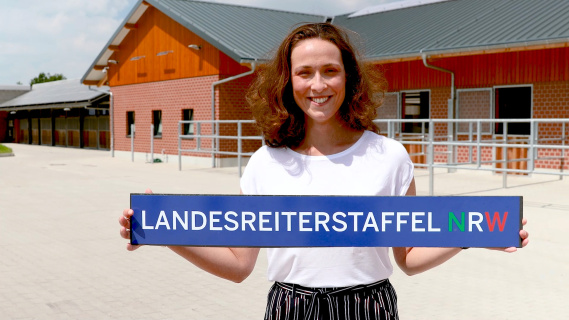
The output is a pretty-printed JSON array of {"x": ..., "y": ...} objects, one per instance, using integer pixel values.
[{"x": 270, "y": 97}]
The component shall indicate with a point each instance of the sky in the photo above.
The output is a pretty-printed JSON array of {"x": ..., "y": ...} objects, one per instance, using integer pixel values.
[{"x": 65, "y": 36}]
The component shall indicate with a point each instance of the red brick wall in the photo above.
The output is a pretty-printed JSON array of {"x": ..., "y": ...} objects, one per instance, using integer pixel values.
[
  {"x": 170, "y": 97},
  {"x": 234, "y": 107},
  {"x": 551, "y": 100}
]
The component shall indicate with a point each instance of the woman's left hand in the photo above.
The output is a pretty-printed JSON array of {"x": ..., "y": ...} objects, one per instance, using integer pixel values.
[{"x": 524, "y": 235}]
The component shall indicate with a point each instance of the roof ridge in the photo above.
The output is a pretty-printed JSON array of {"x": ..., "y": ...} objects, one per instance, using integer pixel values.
[
  {"x": 214, "y": 2},
  {"x": 392, "y": 6}
]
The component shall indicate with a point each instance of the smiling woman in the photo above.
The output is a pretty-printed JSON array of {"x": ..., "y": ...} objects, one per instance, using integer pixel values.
[
  {"x": 315, "y": 104},
  {"x": 273, "y": 97}
]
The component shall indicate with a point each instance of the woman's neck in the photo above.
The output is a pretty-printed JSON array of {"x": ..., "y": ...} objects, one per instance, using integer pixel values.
[{"x": 327, "y": 139}]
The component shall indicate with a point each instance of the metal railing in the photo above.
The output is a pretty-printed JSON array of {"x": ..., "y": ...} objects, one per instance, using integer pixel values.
[
  {"x": 214, "y": 139},
  {"x": 439, "y": 150},
  {"x": 476, "y": 140}
]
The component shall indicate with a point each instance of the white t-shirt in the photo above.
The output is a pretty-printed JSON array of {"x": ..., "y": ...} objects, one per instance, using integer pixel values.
[{"x": 374, "y": 165}]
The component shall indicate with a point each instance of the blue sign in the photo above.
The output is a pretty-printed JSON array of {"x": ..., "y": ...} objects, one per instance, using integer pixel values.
[{"x": 325, "y": 221}]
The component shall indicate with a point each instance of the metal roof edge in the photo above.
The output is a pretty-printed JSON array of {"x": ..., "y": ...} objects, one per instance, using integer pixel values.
[
  {"x": 15, "y": 87},
  {"x": 507, "y": 45},
  {"x": 95, "y": 98},
  {"x": 46, "y": 106},
  {"x": 121, "y": 26},
  {"x": 515, "y": 46}
]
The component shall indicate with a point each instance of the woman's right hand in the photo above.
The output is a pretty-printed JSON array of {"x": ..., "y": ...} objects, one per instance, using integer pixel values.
[{"x": 124, "y": 221}]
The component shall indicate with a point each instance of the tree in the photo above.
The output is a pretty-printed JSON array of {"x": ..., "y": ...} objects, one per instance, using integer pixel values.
[{"x": 42, "y": 77}]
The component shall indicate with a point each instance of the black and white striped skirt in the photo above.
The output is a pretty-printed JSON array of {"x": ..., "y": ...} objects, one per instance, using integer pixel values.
[{"x": 377, "y": 300}]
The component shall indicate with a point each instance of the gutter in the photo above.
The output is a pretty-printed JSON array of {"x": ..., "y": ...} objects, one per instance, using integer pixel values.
[
  {"x": 452, "y": 89},
  {"x": 213, "y": 85},
  {"x": 451, "y": 104},
  {"x": 111, "y": 109}
]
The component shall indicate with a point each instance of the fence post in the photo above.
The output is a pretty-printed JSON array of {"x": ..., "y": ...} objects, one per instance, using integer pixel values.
[
  {"x": 431, "y": 158},
  {"x": 239, "y": 148},
  {"x": 151, "y": 143},
  {"x": 214, "y": 141},
  {"x": 198, "y": 136},
  {"x": 478, "y": 139},
  {"x": 563, "y": 137},
  {"x": 470, "y": 142},
  {"x": 132, "y": 142},
  {"x": 531, "y": 150},
  {"x": 505, "y": 156},
  {"x": 180, "y": 146}
]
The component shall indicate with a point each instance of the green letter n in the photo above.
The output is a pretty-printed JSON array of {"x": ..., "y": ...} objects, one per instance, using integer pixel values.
[{"x": 452, "y": 217}]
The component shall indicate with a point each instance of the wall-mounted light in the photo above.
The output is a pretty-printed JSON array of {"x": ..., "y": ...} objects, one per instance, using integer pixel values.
[
  {"x": 163, "y": 53},
  {"x": 137, "y": 58},
  {"x": 195, "y": 46},
  {"x": 105, "y": 69},
  {"x": 66, "y": 109},
  {"x": 12, "y": 112},
  {"x": 113, "y": 61}
]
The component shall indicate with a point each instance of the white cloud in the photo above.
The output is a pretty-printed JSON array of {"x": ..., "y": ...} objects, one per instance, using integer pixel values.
[{"x": 59, "y": 36}]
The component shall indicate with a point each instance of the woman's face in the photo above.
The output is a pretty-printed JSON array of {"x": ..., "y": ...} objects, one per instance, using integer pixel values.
[{"x": 318, "y": 79}]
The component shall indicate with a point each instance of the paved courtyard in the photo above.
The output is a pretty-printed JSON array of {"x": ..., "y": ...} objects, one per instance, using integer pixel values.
[{"x": 61, "y": 256}]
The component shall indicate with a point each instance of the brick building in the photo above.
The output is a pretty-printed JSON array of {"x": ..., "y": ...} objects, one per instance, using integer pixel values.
[{"x": 489, "y": 59}]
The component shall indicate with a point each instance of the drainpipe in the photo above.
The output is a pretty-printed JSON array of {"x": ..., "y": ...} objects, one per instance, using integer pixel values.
[
  {"x": 213, "y": 85},
  {"x": 111, "y": 118},
  {"x": 451, "y": 108}
]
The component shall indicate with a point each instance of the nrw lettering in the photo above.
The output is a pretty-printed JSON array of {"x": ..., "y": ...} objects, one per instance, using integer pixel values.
[{"x": 475, "y": 220}]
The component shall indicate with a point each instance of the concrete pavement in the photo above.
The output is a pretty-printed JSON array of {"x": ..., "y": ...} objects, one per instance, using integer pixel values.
[{"x": 61, "y": 256}]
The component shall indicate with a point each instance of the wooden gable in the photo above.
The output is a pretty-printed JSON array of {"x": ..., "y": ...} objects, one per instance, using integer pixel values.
[{"x": 156, "y": 49}]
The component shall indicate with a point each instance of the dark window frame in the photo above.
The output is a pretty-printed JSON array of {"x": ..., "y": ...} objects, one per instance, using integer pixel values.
[
  {"x": 188, "y": 128},
  {"x": 157, "y": 124},
  {"x": 130, "y": 119}
]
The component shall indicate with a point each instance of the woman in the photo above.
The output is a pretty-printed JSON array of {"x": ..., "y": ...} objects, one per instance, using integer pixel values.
[{"x": 315, "y": 103}]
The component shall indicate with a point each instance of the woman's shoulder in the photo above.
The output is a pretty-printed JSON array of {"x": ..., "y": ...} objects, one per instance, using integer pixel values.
[
  {"x": 378, "y": 139},
  {"x": 266, "y": 154}
]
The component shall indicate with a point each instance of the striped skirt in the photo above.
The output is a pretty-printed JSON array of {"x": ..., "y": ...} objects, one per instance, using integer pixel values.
[{"x": 293, "y": 302}]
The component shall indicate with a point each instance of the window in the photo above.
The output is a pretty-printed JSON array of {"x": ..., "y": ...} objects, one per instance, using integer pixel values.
[
  {"x": 188, "y": 115},
  {"x": 513, "y": 103},
  {"x": 157, "y": 122},
  {"x": 129, "y": 122},
  {"x": 415, "y": 105}
]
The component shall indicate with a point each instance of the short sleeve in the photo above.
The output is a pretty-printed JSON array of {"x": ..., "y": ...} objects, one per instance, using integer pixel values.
[
  {"x": 248, "y": 181},
  {"x": 405, "y": 169},
  {"x": 405, "y": 176}
]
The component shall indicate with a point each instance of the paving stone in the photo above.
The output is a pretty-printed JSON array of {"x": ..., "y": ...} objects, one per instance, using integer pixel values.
[{"x": 62, "y": 257}]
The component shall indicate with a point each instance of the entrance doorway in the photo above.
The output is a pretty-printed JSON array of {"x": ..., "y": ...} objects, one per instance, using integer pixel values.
[{"x": 513, "y": 103}]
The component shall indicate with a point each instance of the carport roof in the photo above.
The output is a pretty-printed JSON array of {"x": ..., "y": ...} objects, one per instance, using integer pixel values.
[{"x": 56, "y": 93}]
